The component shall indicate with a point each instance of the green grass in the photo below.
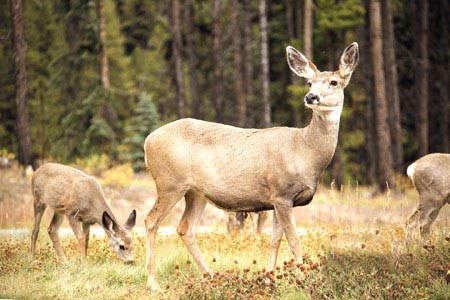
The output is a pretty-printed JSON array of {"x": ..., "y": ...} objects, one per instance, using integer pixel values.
[{"x": 341, "y": 263}]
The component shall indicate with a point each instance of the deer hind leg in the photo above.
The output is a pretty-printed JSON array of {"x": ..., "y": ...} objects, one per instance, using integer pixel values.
[
  {"x": 53, "y": 232},
  {"x": 277, "y": 235},
  {"x": 39, "y": 209},
  {"x": 186, "y": 229},
  {"x": 286, "y": 218},
  {"x": 427, "y": 219},
  {"x": 162, "y": 207}
]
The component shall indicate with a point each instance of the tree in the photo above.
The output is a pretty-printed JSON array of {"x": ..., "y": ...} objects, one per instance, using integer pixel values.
[
  {"x": 390, "y": 66},
  {"x": 192, "y": 59},
  {"x": 217, "y": 61},
  {"x": 308, "y": 29},
  {"x": 176, "y": 56},
  {"x": 422, "y": 124},
  {"x": 383, "y": 137},
  {"x": 107, "y": 111},
  {"x": 237, "y": 64},
  {"x": 20, "y": 75},
  {"x": 104, "y": 67},
  {"x": 264, "y": 63},
  {"x": 144, "y": 120},
  {"x": 248, "y": 64}
]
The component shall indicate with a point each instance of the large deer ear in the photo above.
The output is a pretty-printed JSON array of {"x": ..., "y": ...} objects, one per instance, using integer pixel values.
[
  {"x": 108, "y": 222},
  {"x": 129, "y": 224},
  {"x": 348, "y": 62},
  {"x": 299, "y": 64}
]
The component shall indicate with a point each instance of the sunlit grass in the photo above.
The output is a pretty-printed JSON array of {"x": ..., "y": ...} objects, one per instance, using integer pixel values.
[{"x": 341, "y": 263}]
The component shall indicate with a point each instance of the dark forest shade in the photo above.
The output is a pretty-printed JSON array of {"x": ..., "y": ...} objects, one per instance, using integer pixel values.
[
  {"x": 20, "y": 82},
  {"x": 167, "y": 50}
]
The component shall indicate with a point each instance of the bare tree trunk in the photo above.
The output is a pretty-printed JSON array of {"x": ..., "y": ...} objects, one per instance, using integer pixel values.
[
  {"x": 190, "y": 46},
  {"x": 248, "y": 64},
  {"x": 381, "y": 113},
  {"x": 104, "y": 67},
  {"x": 20, "y": 76},
  {"x": 291, "y": 36},
  {"x": 176, "y": 54},
  {"x": 442, "y": 69},
  {"x": 392, "y": 86},
  {"x": 237, "y": 63},
  {"x": 217, "y": 62},
  {"x": 371, "y": 173},
  {"x": 265, "y": 63},
  {"x": 298, "y": 19},
  {"x": 422, "y": 124},
  {"x": 308, "y": 30}
]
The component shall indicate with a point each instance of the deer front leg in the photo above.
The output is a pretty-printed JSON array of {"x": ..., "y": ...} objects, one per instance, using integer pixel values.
[
  {"x": 286, "y": 219},
  {"x": 79, "y": 234},
  {"x": 277, "y": 235}
]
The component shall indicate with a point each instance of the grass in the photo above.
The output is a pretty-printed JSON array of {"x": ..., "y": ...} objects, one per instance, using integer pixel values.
[
  {"x": 340, "y": 263},
  {"x": 354, "y": 249}
]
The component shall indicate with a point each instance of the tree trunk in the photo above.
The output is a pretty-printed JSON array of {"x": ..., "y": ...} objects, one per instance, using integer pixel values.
[
  {"x": 248, "y": 64},
  {"x": 104, "y": 67},
  {"x": 383, "y": 137},
  {"x": 442, "y": 70},
  {"x": 190, "y": 46},
  {"x": 308, "y": 30},
  {"x": 422, "y": 124},
  {"x": 298, "y": 19},
  {"x": 390, "y": 67},
  {"x": 176, "y": 55},
  {"x": 217, "y": 61},
  {"x": 264, "y": 63},
  {"x": 370, "y": 132},
  {"x": 237, "y": 64},
  {"x": 291, "y": 36},
  {"x": 20, "y": 81}
]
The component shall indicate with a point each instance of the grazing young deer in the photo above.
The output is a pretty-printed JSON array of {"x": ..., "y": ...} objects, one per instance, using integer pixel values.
[
  {"x": 247, "y": 170},
  {"x": 431, "y": 177},
  {"x": 80, "y": 197}
]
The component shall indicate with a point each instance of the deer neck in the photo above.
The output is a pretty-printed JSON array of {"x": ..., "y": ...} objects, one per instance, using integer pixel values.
[{"x": 321, "y": 136}]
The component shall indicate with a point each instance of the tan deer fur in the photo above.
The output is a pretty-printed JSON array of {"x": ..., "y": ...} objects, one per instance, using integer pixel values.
[
  {"x": 80, "y": 197},
  {"x": 431, "y": 177},
  {"x": 246, "y": 170}
]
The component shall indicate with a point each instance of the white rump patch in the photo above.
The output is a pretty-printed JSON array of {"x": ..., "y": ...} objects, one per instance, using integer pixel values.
[{"x": 410, "y": 170}]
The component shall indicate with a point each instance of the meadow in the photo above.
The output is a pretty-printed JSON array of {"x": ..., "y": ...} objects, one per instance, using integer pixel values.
[{"x": 353, "y": 242}]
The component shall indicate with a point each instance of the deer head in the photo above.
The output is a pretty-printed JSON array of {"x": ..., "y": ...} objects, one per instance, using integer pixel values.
[
  {"x": 120, "y": 237},
  {"x": 326, "y": 93}
]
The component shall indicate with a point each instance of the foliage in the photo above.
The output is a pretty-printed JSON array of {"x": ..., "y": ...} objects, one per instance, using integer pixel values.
[
  {"x": 119, "y": 176},
  {"x": 95, "y": 164},
  {"x": 144, "y": 120}
]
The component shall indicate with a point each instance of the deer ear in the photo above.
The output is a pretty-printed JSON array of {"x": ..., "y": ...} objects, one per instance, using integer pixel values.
[
  {"x": 348, "y": 62},
  {"x": 299, "y": 64},
  {"x": 129, "y": 224},
  {"x": 108, "y": 222}
]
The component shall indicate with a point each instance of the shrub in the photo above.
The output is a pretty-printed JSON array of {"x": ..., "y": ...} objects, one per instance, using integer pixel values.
[{"x": 119, "y": 176}]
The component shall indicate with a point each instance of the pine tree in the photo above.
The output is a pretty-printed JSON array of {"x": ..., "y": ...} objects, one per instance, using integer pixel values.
[{"x": 145, "y": 119}]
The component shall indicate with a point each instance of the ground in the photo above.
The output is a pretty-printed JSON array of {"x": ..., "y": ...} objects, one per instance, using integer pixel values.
[{"x": 353, "y": 241}]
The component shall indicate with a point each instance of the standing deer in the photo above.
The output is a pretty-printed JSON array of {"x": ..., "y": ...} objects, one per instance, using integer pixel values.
[
  {"x": 431, "y": 177},
  {"x": 247, "y": 170},
  {"x": 80, "y": 197}
]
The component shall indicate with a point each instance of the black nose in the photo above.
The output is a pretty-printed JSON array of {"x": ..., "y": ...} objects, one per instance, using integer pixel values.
[{"x": 310, "y": 98}]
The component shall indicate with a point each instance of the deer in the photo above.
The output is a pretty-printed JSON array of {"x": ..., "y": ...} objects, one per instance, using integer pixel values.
[
  {"x": 246, "y": 170},
  {"x": 430, "y": 176},
  {"x": 72, "y": 193}
]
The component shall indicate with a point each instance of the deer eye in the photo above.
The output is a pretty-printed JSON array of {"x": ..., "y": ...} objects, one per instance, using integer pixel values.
[
  {"x": 309, "y": 83},
  {"x": 122, "y": 247},
  {"x": 333, "y": 82}
]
